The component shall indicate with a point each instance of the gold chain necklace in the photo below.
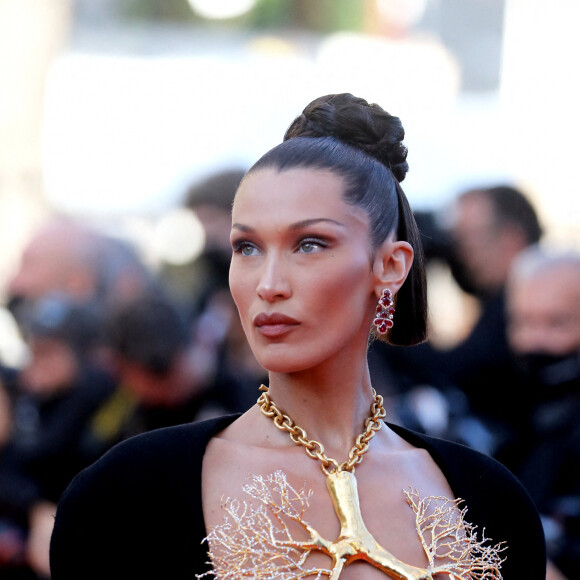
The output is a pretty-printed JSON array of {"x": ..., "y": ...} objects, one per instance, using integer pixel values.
[
  {"x": 314, "y": 448},
  {"x": 355, "y": 541},
  {"x": 251, "y": 549}
]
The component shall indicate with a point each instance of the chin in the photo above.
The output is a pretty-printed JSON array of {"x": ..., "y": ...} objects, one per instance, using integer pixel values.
[
  {"x": 278, "y": 365},
  {"x": 284, "y": 361}
]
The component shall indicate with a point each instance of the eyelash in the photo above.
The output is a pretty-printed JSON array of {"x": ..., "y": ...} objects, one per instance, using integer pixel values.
[
  {"x": 240, "y": 245},
  {"x": 312, "y": 241}
]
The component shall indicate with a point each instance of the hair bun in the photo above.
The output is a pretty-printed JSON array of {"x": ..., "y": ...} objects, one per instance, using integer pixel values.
[{"x": 354, "y": 121}]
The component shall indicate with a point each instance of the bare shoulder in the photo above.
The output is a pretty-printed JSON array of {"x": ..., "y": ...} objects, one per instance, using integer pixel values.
[
  {"x": 244, "y": 448},
  {"x": 247, "y": 435},
  {"x": 395, "y": 465},
  {"x": 233, "y": 455}
]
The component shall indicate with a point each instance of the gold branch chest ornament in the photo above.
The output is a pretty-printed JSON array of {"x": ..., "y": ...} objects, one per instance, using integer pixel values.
[{"x": 258, "y": 543}]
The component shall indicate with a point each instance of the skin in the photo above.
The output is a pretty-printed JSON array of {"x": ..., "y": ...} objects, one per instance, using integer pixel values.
[
  {"x": 544, "y": 310},
  {"x": 543, "y": 315},
  {"x": 301, "y": 251},
  {"x": 55, "y": 260},
  {"x": 485, "y": 247},
  {"x": 151, "y": 389},
  {"x": 53, "y": 366}
]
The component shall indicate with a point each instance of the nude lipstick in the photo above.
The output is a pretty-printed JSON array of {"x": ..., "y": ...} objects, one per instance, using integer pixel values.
[{"x": 275, "y": 324}]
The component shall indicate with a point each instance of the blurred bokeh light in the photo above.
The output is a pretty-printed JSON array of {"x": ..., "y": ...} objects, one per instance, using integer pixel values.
[{"x": 221, "y": 8}]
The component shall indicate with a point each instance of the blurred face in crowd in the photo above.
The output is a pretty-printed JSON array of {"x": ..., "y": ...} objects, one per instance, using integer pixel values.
[
  {"x": 53, "y": 261},
  {"x": 159, "y": 389},
  {"x": 544, "y": 311},
  {"x": 53, "y": 366},
  {"x": 484, "y": 246},
  {"x": 216, "y": 224}
]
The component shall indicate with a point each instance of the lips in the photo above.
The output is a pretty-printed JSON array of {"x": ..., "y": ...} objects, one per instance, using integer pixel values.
[{"x": 275, "y": 324}]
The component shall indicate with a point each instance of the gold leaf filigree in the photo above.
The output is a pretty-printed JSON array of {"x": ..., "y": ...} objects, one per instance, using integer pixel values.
[
  {"x": 256, "y": 541},
  {"x": 451, "y": 543}
]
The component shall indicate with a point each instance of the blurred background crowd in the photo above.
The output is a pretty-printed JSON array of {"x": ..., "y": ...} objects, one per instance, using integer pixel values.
[{"x": 125, "y": 128}]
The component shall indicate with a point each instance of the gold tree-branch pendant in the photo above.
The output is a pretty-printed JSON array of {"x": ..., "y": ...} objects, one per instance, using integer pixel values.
[
  {"x": 257, "y": 542},
  {"x": 355, "y": 541}
]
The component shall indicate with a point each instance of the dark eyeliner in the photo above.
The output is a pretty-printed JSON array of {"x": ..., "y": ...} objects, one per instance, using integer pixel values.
[{"x": 238, "y": 245}]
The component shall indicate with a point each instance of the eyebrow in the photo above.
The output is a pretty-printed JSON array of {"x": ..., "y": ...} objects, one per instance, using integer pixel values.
[{"x": 295, "y": 226}]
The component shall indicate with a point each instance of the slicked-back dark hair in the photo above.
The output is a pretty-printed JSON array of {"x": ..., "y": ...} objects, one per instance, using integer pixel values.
[{"x": 362, "y": 144}]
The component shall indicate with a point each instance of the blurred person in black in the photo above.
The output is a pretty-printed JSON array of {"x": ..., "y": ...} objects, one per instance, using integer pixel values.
[
  {"x": 211, "y": 200},
  {"x": 484, "y": 231},
  {"x": 69, "y": 257},
  {"x": 51, "y": 398},
  {"x": 159, "y": 382},
  {"x": 59, "y": 257},
  {"x": 543, "y": 311},
  {"x": 489, "y": 228},
  {"x": 69, "y": 276}
]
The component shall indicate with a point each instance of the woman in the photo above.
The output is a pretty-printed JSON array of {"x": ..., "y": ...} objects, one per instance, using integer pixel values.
[{"x": 324, "y": 249}]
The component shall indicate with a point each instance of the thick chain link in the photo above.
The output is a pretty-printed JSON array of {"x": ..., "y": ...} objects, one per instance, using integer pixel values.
[{"x": 314, "y": 448}]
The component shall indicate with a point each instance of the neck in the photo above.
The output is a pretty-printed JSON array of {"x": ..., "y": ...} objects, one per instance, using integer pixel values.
[{"x": 330, "y": 406}]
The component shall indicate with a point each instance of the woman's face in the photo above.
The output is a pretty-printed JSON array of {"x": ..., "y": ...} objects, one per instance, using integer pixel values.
[{"x": 301, "y": 271}]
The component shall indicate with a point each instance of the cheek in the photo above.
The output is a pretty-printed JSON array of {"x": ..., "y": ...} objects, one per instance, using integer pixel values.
[
  {"x": 342, "y": 294},
  {"x": 240, "y": 288}
]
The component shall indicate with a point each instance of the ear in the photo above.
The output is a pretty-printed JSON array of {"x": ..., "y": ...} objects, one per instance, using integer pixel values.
[{"x": 391, "y": 265}]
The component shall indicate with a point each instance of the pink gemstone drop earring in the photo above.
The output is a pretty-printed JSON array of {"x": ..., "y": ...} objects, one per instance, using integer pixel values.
[{"x": 385, "y": 312}]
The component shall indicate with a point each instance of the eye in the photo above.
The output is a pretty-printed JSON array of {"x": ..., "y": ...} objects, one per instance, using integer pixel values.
[
  {"x": 309, "y": 246},
  {"x": 245, "y": 248}
]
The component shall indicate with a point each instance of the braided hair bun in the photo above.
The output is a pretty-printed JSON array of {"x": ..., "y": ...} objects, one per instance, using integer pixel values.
[{"x": 355, "y": 122}]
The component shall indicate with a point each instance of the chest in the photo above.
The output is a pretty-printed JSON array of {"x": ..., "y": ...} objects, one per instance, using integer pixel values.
[{"x": 364, "y": 525}]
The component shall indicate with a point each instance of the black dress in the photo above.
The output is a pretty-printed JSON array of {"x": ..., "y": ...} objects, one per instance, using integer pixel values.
[{"x": 137, "y": 512}]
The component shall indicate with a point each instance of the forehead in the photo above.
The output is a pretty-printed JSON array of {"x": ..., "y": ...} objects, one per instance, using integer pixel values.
[
  {"x": 553, "y": 289},
  {"x": 300, "y": 193},
  {"x": 473, "y": 210}
]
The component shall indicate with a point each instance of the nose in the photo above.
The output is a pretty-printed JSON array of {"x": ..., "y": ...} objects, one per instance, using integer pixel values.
[{"x": 273, "y": 283}]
